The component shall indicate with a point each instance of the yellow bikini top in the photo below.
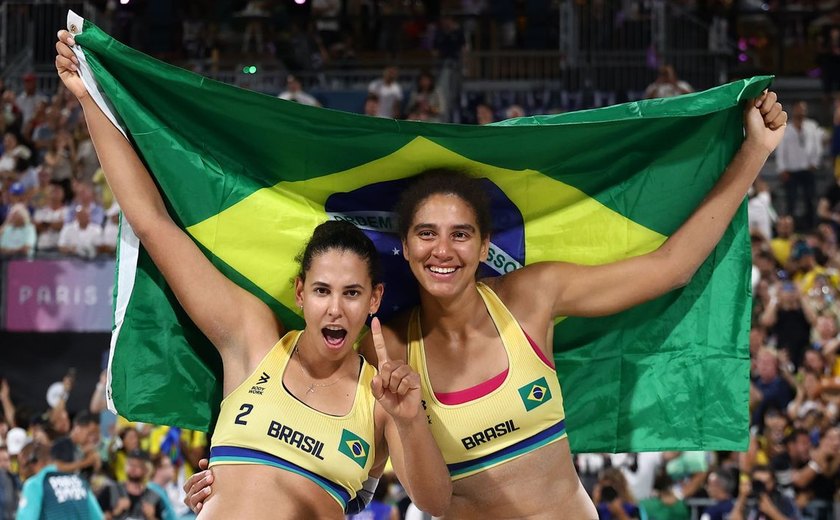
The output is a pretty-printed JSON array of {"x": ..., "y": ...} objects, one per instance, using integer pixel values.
[
  {"x": 520, "y": 412},
  {"x": 261, "y": 422}
]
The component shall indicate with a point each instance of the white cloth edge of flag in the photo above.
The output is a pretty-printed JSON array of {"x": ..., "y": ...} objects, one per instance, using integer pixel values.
[{"x": 129, "y": 243}]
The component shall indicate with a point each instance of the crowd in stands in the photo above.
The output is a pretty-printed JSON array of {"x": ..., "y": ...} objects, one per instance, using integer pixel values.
[
  {"x": 54, "y": 202},
  {"x": 127, "y": 470},
  {"x": 53, "y": 196}
]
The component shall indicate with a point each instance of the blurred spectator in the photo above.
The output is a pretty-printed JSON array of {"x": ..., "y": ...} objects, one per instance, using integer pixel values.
[
  {"x": 824, "y": 338},
  {"x": 111, "y": 231},
  {"x": 87, "y": 163},
  {"x": 782, "y": 243},
  {"x": 294, "y": 92},
  {"x": 664, "y": 505},
  {"x": 12, "y": 119},
  {"x": 106, "y": 196},
  {"x": 828, "y": 207},
  {"x": 77, "y": 452},
  {"x": 667, "y": 84},
  {"x": 29, "y": 98},
  {"x": 389, "y": 93},
  {"x": 769, "y": 388},
  {"x": 51, "y": 494},
  {"x": 16, "y": 195},
  {"x": 371, "y": 105},
  {"x": 426, "y": 103},
  {"x": 687, "y": 470},
  {"x": 759, "y": 499},
  {"x": 16, "y": 439},
  {"x": 85, "y": 197},
  {"x": 162, "y": 482},
  {"x": 797, "y": 159},
  {"x": 44, "y": 134},
  {"x": 770, "y": 441},
  {"x": 60, "y": 157},
  {"x": 720, "y": 486},
  {"x": 760, "y": 209},
  {"x": 37, "y": 182},
  {"x": 640, "y": 470},
  {"x": 809, "y": 397},
  {"x": 38, "y": 118},
  {"x": 128, "y": 441},
  {"x": 589, "y": 467},
  {"x": 814, "y": 361},
  {"x": 133, "y": 498},
  {"x": 789, "y": 320},
  {"x": 80, "y": 237},
  {"x": 50, "y": 219},
  {"x": 17, "y": 235},
  {"x": 484, "y": 114},
  {"x": 835, "y": 143},
  {"x": 9, "y": 486},
  {"x": 824, "y": 467},
  {"x": 790, "y": 467},
  {"x": 514, "y": 111},
  {"x": 7, "y": 419},
  {"x": 15, "y": 156},
  {"x": 613, "y": 498}
]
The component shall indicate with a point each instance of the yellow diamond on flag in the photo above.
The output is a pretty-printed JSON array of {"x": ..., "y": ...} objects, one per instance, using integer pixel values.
[{"x": 261, "y": 235}]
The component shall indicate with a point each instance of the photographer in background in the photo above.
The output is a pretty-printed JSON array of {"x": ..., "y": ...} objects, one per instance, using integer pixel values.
[
  {"x": 613, "y": 498},
  {"x": 758, "y": 499}
]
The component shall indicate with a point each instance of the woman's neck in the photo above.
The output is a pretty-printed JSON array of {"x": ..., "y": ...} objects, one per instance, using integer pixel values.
[
  {"x": 316, "y": 365},
  {"x": 454, "y": 315}
]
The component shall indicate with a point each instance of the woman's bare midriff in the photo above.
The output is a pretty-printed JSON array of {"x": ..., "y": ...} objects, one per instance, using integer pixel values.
[
  {"x": 254, "y": 491},
  {"x": 540, "y": 485}
]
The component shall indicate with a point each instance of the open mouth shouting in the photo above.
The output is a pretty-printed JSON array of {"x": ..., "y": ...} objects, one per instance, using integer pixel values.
[{"x": 334, "y": 336}]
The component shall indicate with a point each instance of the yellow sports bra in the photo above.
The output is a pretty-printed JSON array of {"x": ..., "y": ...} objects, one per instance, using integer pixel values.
[
  {"x": 263, "y": 423},
  {"x": 522, "y": 413}
]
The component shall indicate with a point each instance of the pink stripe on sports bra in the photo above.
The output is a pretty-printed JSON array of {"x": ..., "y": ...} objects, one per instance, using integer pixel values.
[
  {"x": 539, "y": 351},
  {"x": 472, "y": 393},
  {"x": 484, "y": 388}
]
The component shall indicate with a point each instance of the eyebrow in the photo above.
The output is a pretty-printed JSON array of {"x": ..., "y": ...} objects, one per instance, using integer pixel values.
[
  {"x": 328, "y": 286},
  {"x": 460, "y": 227}
]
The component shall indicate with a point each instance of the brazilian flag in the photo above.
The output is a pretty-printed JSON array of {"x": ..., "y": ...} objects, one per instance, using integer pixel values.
[{"x": 249, "y": 176}]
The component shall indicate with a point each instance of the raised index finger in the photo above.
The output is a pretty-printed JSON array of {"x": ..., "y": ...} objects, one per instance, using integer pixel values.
[{"x": 378, "y": 342}]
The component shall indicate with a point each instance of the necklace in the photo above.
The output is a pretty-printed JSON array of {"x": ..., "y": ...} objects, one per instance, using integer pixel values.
[{"x": 305, "y": 371}]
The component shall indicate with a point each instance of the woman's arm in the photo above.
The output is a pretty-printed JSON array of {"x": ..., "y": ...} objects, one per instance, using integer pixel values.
[
  {"x": 416, "y": 457},
  {"x": 223, "y": 311},
  {"x": 6, "y": 402},
  {"x": 578, "y": 290}
]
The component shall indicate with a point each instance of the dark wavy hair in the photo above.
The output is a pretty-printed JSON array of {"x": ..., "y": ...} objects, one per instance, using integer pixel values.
[
  {"x": 342, "y": 236},
  {"x": 442, "y": 181}
]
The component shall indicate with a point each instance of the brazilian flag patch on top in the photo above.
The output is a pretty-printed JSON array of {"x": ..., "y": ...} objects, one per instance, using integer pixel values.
[
  {"x": 354, "y": 447},
  {"x": 535, "y": 393}
]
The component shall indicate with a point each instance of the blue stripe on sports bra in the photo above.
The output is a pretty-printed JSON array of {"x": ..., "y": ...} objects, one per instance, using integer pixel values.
[
  {"x": 530, "y": 444},
  {"x": 249, "y": 456}
]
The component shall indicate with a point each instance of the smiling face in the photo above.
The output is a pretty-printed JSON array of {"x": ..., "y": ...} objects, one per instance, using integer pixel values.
[
  {"x": 443, "y": 245},
  {"x": 337, "y": 296}
]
